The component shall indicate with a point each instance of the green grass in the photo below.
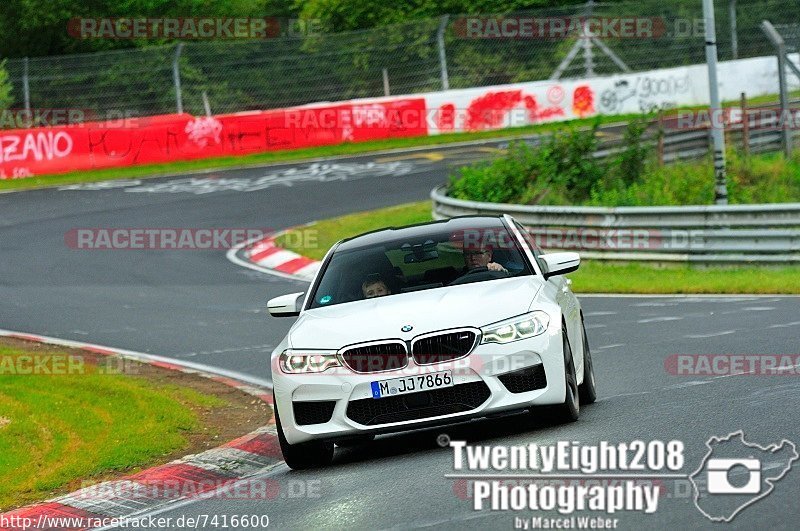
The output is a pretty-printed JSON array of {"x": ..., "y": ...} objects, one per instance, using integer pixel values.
[
  {"x": 599, "y": 277},
  {"x": 55, "y": 429},
  {"x": 314, "y": 240},
  {"x": 593, "y": 276},
  {"x": 762, "y": 178}
]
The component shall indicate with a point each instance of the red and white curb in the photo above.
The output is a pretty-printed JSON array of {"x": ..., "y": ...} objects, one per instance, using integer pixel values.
[
  {"x": 265, "y": 255},
  {"x": 215, "y": 472}
]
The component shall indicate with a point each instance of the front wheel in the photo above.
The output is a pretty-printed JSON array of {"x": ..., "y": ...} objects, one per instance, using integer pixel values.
[
  {"x": 588, "y": 391},
  {"x": 302, "y": 456},
  {"x": 571, "y": 408}
]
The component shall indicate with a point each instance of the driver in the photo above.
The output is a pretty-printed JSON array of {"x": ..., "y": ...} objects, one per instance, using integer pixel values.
[{"x": 480, "y": 257}]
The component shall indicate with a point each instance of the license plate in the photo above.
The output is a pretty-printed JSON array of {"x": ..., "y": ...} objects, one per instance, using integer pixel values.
[{"x": 412, "y": 384}]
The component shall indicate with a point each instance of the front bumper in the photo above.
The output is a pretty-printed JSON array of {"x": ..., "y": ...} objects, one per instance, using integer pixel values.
[{"x": 336, "y": 388}]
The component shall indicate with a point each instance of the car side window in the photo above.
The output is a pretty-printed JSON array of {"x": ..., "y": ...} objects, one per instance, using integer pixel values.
[{"x": 535, "y": 250}]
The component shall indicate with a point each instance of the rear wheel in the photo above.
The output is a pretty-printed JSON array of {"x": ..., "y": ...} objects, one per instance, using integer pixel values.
[
  {"x": 570, "y": 409},
  {"x": 588, "y": 392},
  {"x": 312, "y": 454}
]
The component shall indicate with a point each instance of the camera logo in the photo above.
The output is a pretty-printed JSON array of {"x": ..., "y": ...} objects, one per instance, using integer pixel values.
[
  {"x": 735, "y": 474},
  {"x": 719, "y": 470}
]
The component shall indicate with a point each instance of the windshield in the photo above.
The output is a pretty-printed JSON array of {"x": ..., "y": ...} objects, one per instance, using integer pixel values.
[{"x": 434, "y": 259}]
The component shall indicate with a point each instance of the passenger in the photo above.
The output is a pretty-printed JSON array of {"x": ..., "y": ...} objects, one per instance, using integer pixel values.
[{"x": 375, "y": 287}]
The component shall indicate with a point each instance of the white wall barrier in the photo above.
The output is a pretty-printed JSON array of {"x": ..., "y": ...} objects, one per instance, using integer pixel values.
[{"x": 519, "y": 104}]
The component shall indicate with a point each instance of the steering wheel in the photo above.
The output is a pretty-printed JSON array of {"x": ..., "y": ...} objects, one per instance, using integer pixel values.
[{"x": 478, "y": 274}]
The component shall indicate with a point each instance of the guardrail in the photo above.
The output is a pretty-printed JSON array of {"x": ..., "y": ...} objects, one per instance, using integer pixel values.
[
  {"x": 714, "y": 234},
  {"x": 749, "y": 129}
]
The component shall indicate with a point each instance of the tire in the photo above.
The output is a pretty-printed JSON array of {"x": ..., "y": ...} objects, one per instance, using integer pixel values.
[
  {"x": 587, "y": 391},
  {"x": 312, "y": 454},
  {"x": 570, "y": 410}
]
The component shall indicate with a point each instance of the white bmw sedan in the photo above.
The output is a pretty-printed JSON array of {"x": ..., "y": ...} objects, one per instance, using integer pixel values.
[{"x": 427, "y": 325}]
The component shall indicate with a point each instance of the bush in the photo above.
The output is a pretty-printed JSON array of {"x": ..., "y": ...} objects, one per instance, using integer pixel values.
[
  {"x": 562, "y": 171},
  {"x": 629, "y": 165},
  {"x": 503, "y": 180}
]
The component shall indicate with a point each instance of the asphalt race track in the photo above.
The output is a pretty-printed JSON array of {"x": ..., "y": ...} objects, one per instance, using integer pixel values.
[{"x": 197, "y": 306}]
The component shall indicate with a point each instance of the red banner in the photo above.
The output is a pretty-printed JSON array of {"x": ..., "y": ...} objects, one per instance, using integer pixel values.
[{"x": 168, "y": 138}]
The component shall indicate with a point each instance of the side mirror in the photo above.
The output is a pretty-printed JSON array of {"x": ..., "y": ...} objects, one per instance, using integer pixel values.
[
  {"x": 560, "y": 263},
  {"x": 286, "y": 305}
]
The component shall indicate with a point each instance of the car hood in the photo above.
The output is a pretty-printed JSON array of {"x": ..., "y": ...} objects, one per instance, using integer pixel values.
[{"x": 476, "y": 304}]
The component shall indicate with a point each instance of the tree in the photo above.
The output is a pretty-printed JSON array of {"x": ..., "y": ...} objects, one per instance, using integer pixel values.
[
  {"x": 35, "y": 28},
  {"x": 5, "y": 88},
  {"x": 343, "y": 15}
]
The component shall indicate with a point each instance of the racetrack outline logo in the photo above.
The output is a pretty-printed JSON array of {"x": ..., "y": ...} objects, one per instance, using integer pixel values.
[{"x": 732, "y": 499}]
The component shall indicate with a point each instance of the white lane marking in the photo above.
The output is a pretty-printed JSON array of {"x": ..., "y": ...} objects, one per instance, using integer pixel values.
[
  {"x": 785, "y": 325},
  {"x": 264, "y": 347},
  {"x": 623, "y": 395},
  {"x": 659, "y": 319},
  {"x": 792, "y": 369},
  {"x": 141, "y": 356},
  {"x": 315, "y": 172},
  {"x": 691, "y": 383},
  {"x": 590, "y": 326},
  {"x": 596, "y": 314},
  {"x": 750, "y": 309},
  {"x": 102, "y": 185},
  {"x": 615, "y": 345},
  {"x": 712, "y": 334}
]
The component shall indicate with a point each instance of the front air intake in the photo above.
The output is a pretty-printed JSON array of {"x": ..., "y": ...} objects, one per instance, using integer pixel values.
[
  {"x": 444, "y": 346},
  {"x": 375, "y": 357}
]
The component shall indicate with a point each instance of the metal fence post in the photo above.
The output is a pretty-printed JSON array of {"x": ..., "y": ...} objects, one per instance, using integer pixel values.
[
  {"x": 26, "y": 88},
  {"x": 780, "y": 46},
  {"x": 734, "y": 36},
  {"x": 176, "y": 78},
  {"x": 386, "y": 91},
  {"x": 717, "y": 134},
  {"x": 745, "y": 126},
  {"x": 206, "y": 104},
  {"x": 588, "y": 56},
  {"x": 442, "y": 55}
]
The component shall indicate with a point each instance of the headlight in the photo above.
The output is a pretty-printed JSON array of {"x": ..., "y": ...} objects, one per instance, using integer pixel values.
[
  {"x": 520, "y": 327},
  {"x": 295, "y": 361}
]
